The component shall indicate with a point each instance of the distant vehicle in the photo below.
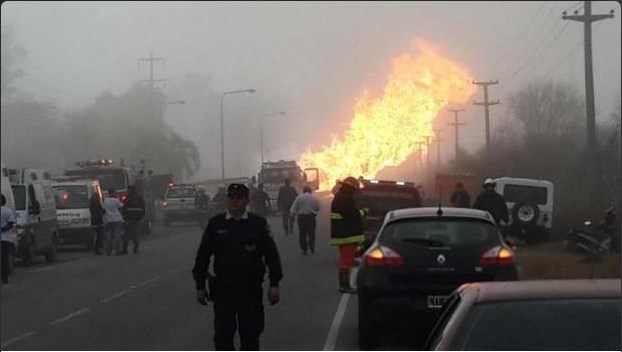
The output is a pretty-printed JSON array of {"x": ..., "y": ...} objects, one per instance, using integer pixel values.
[
  {"x": 109, "y": 177},
  {"x": 530, "y": 203},
  {"x": 179, "y": 204},
  {"x": 37, "y": 226},
  {"x": 382, "y": 196},
  {"x": 418, "y": 259},
  {"x": 23, "y": 176},
  {"x": 6, "y": 188},
  {"x": 72, "y": 211},
  {"x": 555, "y": 315},
  {"x": 273, "y": 175},
  {"x": 157, "y": 185}
]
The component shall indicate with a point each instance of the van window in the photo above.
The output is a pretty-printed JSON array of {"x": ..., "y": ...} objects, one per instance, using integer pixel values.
[
  {"x": 525, "y": 194},
  {"x": 71, "y": 197},
  {"x": 19, "y": 193}
]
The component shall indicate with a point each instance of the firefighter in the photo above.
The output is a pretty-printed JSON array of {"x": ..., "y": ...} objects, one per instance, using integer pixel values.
[
  {"x": 242, "y": 248},
  {"x": 346, "y": 229}
]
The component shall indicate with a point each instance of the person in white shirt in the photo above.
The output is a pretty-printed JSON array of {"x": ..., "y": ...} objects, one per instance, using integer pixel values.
[
  {"x": 7, "y": 222},
  {"x": 113, "y": 223},
  {"x": 306, "y": 206}
]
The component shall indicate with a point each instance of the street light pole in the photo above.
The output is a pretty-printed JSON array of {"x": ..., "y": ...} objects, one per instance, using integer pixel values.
[
  {"x": 281, "y": 113},
  {"x": 222, "y": 122}
]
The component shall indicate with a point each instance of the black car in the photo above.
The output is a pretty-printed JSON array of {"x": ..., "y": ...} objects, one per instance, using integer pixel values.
[
  {"x": 419, "y": 257},
  {"x": 546, "y": 315}
]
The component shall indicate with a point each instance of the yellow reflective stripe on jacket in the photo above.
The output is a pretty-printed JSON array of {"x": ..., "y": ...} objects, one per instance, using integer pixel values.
[
  {"x": 347, "y": 240},
  {"x": 336, "y": 216}
]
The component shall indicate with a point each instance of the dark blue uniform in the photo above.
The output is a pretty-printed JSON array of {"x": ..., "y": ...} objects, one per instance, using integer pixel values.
[{"x": 242, "y": 249}]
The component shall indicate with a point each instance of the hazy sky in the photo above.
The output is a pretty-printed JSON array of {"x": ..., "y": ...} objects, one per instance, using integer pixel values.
[{"x": 310, "y": 59}]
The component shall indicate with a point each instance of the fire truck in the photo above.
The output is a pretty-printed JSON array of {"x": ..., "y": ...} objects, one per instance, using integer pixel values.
[{"x": 273, "y": 175}]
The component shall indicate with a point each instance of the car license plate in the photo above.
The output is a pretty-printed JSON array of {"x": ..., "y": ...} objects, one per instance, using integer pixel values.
[{"x": 436, "y": 302}]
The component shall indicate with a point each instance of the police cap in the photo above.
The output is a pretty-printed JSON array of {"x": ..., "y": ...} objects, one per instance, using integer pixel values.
[{"x": 237, "y": 190}]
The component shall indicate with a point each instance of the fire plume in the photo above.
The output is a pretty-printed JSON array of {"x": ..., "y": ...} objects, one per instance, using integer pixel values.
[{"x": 385, "y": 130}]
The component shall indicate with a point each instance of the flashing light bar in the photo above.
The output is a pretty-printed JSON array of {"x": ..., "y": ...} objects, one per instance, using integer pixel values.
[
  {"x": 374, "y": 181},
  {"x": 400, "y": 183},
  {"x": 88, "y": 163}
]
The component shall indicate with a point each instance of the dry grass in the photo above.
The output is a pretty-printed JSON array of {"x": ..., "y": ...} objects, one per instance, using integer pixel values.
[{"x": 549, "y": 261}]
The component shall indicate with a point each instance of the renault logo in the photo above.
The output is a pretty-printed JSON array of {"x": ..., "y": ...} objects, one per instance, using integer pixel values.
[{"x": 441, "y": 259}]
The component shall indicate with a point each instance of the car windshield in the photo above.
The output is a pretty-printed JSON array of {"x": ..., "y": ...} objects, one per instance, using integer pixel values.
[
  {"x": 19, "y": 192},
  {"x": 71, "y": 197},
  {"x": 380, "y": 202},
  {"x": 545, "y": 325},
  {"x": 181, "y": 193},
  {"x": 278, "y": 176},
  {"x": 454, "y": 233},
  {"x": 525, "y": 194},
  {"x": 108, "y": 178}
]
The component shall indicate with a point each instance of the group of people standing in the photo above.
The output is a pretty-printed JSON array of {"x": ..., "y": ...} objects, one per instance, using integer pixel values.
[
  {"x": 488, "y": 200},
  {"x": 116, "y": 222}
]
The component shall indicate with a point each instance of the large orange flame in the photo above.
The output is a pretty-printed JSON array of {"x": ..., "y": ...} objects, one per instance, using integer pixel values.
[{"x": 385, "y": 130}]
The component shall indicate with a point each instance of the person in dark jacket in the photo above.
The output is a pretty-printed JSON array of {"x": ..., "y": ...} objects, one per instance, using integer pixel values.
[
  {"x": 133, "y": 214},
  {"x": 242, "y": 247},
  {"x": 260, "y": 201},
  {"x": 460, "y": 198},
  {"x": 346, "y": 229},
  {"x": 492, "y": 202},
  {"x": 287, "y": 196},
  {"x": 97, "y": 222}
]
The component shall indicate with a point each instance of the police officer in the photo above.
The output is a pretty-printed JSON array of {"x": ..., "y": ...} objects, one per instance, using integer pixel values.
[{"x": 242, "y": 248}]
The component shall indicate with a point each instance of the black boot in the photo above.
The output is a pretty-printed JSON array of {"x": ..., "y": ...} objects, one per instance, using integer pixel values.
[{"x": 344, "y": 282}]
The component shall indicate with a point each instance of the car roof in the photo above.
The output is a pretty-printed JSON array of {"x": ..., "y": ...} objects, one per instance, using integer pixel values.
[
  {"x": 448, "y": 212},
  {"x": 542, "y": 289},
  {"x": 523, "y": 181}
]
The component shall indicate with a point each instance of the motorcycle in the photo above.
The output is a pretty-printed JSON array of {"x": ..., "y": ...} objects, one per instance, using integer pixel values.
[{"x": 593, "y": 241}]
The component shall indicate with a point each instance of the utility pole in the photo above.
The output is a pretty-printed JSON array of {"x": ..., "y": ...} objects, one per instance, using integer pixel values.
[
  {"x": 428, "y": 141},
  {"x": 151, "y": 79},
  {"x": 438, "y": 141},
  {"x": 419, "y": 159},
  {"x": 486, "y": 104},
  {"x": 456, "y": 126},
  {"x": 593, "y": 164}
]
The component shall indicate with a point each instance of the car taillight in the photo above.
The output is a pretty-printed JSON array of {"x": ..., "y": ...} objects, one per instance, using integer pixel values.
[
  {"x": 164, "y": 204},
  {"x": 383, "y": 256},
  {"x": 498, "y": 255}
]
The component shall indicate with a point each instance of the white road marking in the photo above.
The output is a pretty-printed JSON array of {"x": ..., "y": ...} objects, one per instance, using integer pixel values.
[
  {"x": 149, "y": 281},
  {"x": 70, "y": 316},
  {"x": 115, "y": 296},
  {"x": 333, "y": 332},
  {"x": 16, "y": 339},
  {"x": 51, "y": 267}
]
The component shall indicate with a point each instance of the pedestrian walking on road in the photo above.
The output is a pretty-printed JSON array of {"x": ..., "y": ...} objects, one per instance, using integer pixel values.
[
  {"x": 460, "y": 198},
  {"x": 242, "y": 247},
  {"x": 97, "y": 222},
  {"x": 346, "y": 229},
  {"x": 492, "y": 202},
  {"x": 260, "y": 202},
  {"x": 134, "y": 213},
  {"x": 306, "y": 207},
  {"x": 7, "y": 222},
  {"x": 113, "y": 223},
  {"x": 286, "y": 197}
]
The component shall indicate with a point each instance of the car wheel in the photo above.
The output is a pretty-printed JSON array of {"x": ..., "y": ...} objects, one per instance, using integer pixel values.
[
  {"x": 367, "y": 336},
  {"x": 524, "y": 213},
  {"x": 51, "y": 254}
]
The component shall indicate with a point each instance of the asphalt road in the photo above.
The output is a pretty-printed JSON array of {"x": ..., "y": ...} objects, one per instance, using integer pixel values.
[{"x": 147, "y": 301}]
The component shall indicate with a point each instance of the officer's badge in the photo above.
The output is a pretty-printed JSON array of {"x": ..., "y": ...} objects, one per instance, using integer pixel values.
[{"x": 250, "y": 247}]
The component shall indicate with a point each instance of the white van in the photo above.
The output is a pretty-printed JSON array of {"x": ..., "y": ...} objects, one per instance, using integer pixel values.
[
  {"x": 23, "y": 176},
  {"x": 37, "y": 227},
  {"x": 530, "y": 203},
  {"x": 72, "y": 211},
  {"x": 6, "y": 188}
]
